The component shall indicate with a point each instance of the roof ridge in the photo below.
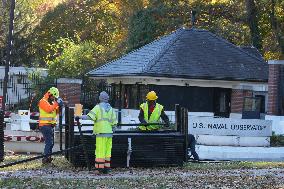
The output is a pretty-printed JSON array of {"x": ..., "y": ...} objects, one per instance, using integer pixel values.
[
  {"x": 131, "y": 52},
  {"x": 251, "y": 47},
  {"x": 151, "y": 63},
  {"x": 233, "y": 45}
]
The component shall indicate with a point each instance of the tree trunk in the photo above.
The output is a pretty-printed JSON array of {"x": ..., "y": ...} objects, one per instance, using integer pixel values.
[
  {"x": 3, "y": 31},
  {"x": 252, "y": 20},
  {"x": 276, "y": 29}
]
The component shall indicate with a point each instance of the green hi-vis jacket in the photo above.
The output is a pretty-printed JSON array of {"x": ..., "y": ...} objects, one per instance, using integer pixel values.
[
  {"x": 154, "y": 117},
  {"x": 103, "y": 121}
]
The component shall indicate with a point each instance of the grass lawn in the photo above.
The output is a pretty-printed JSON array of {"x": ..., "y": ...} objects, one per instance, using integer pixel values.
[
  {"x": 61, "y": 163},
  {"x": 191, "y": 175}
]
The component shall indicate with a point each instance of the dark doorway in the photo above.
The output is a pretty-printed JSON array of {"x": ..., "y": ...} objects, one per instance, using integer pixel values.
[
  {"x": 262, "y": 103},
  {"x": 196, "y": 99},
  {"x": 251, "y": 108},
  {"x": 222, "y": 101}
]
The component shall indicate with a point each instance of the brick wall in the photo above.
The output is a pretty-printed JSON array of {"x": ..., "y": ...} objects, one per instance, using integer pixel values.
[
  {"x": 70, "y": 90},
  {"x": 273, "y": 87},
  {"x": 237, "y": 99}
]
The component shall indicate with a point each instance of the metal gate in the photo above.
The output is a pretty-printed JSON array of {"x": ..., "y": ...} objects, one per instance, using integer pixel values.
[
  {"x": 25, "y": 90},
  {"x": 132, "y": 148}
]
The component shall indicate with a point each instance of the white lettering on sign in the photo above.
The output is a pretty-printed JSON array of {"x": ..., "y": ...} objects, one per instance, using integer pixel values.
[
  {"x": 8, "y": 138},
  {"x": 230, "y": 127}
]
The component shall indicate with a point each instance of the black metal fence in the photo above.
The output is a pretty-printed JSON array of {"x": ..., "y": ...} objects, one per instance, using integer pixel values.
[
  {"x": 132, "y": 148},
  {"x": 24, "y": 90},
  {"x": 90, "y": 92},
  {"x": 1, "y": 136}
]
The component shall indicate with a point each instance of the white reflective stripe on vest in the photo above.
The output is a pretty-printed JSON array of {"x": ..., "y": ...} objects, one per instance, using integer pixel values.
[
  {"x": 105, "y": 119},
  {"x": 93, "y": 113},
  {"x": 47, "y": 119}
]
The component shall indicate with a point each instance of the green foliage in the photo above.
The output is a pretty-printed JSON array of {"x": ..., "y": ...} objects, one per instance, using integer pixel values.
[
  {"x": 276, "y": 140},
  {"x": 75, "y": 59},
  {"x": 4, "y": 12},
  {"x": 22, "y": 105},
  {"x": 118, "y": 26},
  {"x": 157, "y": 19},
  {"x": 28, "y": 13},
  {"x": 98, "y": 21},
  {"x": 161, "y": 18},
  {"x": 144, "y": 28},
  {"x": 228, "y": 19},
  {"x": 271, "y": 25}
]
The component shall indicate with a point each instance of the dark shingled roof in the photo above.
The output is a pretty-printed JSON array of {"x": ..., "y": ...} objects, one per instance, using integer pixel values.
[
  {"x": 252, "y": 50},
  {"x": 188, "y": 53}
]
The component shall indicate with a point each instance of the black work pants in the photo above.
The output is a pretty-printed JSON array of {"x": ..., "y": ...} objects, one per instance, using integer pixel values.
[
  {"x": 48, "y": 135},
  {"x": 191, "y": 145}
]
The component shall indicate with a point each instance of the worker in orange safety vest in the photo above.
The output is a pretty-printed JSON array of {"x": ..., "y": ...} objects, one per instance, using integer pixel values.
[{"x": 48, "y": 110}]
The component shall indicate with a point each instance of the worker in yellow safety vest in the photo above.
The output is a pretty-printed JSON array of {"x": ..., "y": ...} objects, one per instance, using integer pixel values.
[
  {"x": 104, "y": 119},
  {"x": 48, "y": 110},
  {"x": 151, "y": 112}
]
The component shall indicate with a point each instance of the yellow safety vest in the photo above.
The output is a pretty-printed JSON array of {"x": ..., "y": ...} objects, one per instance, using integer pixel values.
[
  {"x": 103, "y": 121},
  {"x": 154, "y": 117},
  {"x": 46, "y": 118}
]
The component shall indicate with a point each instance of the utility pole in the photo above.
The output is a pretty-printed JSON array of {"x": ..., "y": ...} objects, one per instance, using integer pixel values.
[{"x": 9, "y": 53}]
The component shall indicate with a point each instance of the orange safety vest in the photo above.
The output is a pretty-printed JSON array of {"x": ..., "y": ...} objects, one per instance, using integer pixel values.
[{"x": 47, "y": 117}]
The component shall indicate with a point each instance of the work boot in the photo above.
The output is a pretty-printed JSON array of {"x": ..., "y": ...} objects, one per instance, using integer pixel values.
[
  {"x": 195, "y": 156},
  {"x": 49, "y": 159},
  {"x": 101, "y": 171},
  {"x": 106, "y": 171},
  {"x": 96, "y": 172},
  {"x": 45, "y": 161}
]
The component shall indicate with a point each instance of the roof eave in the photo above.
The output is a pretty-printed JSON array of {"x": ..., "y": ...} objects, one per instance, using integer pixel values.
[{"x": 178, "y": 76}]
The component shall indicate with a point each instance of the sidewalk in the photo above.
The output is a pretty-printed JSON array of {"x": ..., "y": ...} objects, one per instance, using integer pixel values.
[{"x": 240, "y": 153}]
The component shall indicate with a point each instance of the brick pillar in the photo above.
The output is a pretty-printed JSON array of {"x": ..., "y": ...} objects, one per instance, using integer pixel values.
[
  {"x": 70, "y": 90},
  {"x": 274, "y": 86},
  {"x": 237, "y": 99}
]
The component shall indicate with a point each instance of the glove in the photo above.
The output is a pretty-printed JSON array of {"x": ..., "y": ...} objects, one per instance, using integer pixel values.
[
  {"x": 77, "y": 118},
  {"x": 113, "y": 129},
  {"x": 60, "y": 102},
  {"x": 85, "y": 117}
]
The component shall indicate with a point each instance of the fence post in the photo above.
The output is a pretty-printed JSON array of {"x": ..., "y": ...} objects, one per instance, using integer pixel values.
[
  {"x": 9, "y": 53},
  {"x": 185, "y": 129},
  {"x": 67, "y": 131},
  {"x": 1, "y": 135},
  {"x": 84, "y": 146},
  {"x": 120, "y": 102},
  {"x": 71, "y": 132},
  {"x": 177, "y": 117},
  {"x": 60, "y": 127},
  {"x": 182, "y": 112}
]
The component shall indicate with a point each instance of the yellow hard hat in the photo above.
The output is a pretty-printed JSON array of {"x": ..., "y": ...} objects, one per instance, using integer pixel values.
[
  {"x": 54, "y": 91},
  {"x": 151, "y": 96}
]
